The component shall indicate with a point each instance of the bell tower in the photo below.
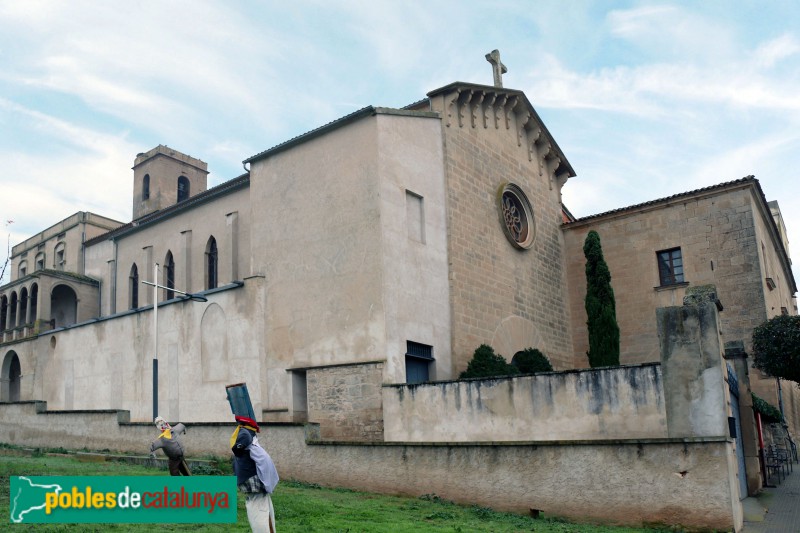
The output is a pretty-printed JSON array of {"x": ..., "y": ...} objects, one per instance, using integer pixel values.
[{"x": 163, "y": 177}]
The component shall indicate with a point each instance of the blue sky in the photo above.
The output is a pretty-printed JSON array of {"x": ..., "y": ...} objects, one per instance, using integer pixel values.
[{"x": 646, "y": 99}]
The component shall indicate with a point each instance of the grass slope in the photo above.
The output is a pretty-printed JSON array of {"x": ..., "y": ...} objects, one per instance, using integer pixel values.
[{"x": 299, "y": 507}]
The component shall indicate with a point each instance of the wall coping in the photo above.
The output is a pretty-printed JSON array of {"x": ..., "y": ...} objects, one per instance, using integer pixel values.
[
  {"x": 506, "y": 378},
  {"x": 552, "y": 443}
]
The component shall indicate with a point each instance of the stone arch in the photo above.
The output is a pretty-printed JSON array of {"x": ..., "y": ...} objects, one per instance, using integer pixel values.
[
  {"x": 63, "y": 306},
  {"x": 10, "y": 378},
  {"x": 23, "y": 306},
  {"x": 514, "y": 334},
  {"x": 214, "y": 358},
  {"x": 34, "y": 298}
]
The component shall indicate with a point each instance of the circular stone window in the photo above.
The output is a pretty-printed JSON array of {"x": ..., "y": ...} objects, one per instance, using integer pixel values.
[{"x": 516, "y": 216}]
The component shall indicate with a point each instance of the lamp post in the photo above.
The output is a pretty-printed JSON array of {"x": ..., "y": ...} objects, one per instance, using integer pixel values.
[{"x": 187, "y": 296}]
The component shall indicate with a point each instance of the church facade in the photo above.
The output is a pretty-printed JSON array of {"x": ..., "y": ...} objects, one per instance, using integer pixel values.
[{"x": 382, "y": 248}]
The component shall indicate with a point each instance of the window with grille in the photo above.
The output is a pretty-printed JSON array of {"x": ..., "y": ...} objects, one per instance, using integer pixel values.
[
  {"x": 670, "y": 266},
  {"x": 418, "y": 360}
]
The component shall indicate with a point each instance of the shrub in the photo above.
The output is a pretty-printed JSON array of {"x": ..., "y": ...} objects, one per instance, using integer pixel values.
[
  {"x": 485, "y": 363},
  {"x": 769, "y": 412},
  {"x": 776, "y": 347},
  {"x": 531, "y": 361}
]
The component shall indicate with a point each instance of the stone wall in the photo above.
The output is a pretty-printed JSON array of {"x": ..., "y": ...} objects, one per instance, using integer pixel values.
[
  {"x": 503, "y": 296},
  {"x": 634, "y": 482},
  {"x": 716, "y": 234},
  {"x": 346, "y": 401},
  {"x": 622, "y": 402}
]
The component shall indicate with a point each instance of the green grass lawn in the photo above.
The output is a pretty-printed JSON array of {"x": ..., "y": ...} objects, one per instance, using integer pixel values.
[{"x": 299, "y": 507}]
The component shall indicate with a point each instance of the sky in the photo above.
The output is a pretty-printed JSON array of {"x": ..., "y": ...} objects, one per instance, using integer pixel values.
[{"x": 646, "y": 99}]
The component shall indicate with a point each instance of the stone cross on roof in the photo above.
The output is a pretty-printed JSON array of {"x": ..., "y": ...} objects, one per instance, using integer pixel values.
[{"x": 498, "y": 68}]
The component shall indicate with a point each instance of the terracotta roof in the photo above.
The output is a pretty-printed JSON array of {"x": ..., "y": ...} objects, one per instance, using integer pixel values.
[{"x": 667, "y": 199}]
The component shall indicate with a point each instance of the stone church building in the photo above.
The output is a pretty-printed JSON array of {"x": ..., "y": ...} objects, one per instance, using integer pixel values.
[{"x": 380, "y": 249}]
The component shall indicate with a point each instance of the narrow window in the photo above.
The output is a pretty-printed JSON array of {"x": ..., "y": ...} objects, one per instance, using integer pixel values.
[
  {"x": 23, "y": 269},
  {"x": 146, "y": 187},
  {"x": 60, "y": 256},
  {"x": 183, "y": 188},
  {"x": 133, "y": 284},
  {"x": 169, "y": 276},
  {"x": 418, "y": 360},
  {"x": 212, "y": 264},
  {"x": 670, "y": 266},
  {"x": 3, "y": 312},
  {"x": 415, "y": 217},
  {"x": 40, "y": 261}
]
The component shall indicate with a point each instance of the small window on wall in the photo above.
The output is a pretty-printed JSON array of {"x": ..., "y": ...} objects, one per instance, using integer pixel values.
[
  {"x": 23, "y": 269},
  {"x": 40, "y": 261},
  {"x": 418, "y": 360},
  {"x": 415, "y": 217},
  {"x": 670, "y": 266},
  {"x": 146, "y": 187},
  {"x": 784, "y": 311}
]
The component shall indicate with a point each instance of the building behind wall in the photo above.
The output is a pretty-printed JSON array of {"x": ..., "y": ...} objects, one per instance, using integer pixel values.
[
  {"x": 332, "y": 271},
  {"x": 726, "y": 235}
]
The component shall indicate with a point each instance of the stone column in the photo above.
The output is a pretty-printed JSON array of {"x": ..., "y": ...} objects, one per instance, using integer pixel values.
[
  {"x": 232, "y": 220},
  {"x": 693, "y": 367}
]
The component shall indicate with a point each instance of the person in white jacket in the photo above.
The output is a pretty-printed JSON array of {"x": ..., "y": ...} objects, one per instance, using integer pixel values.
[
  {"x": 255, "y": 475},
  {"x": 173, "y": 447}
]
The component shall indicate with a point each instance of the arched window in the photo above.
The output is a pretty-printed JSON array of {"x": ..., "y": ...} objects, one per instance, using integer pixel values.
[
  {"x": 146, "y": 187},
  {"x": 169, "y": 276},
  {"x": 12, "y": 311},
  {"x": 63, "y": 306},
  {"x": 34, "y": 301},
  {"x": 23, "y": 269},
  {"x": 3, "y": 312},
  {"x": 23, "y": 306},
  {"x": 133, "y": 287},
  {"x": 40, "y": 261},
  {"x": 212, "y": 264},
  {"x": 183, "y": 188}
]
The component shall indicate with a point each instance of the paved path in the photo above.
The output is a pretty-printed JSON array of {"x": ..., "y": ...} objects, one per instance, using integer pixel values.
[{"x": 775, "y": 510}]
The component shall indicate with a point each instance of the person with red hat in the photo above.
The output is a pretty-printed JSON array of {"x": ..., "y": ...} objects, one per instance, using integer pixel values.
[{"x": 255, "y": 474}]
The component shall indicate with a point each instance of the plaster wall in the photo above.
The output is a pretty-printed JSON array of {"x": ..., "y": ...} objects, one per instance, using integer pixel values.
[
  {"x": 623, "y": 402},
  {"x": 186, "y": 235},
  {"x": 201, "y": 348},
  {"x": 635, "y": 482},
  {"x": 415, "y": 266},
  {"x": 333, "y": 279}
]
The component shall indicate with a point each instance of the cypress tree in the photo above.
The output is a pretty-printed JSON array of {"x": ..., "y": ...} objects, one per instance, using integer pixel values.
[{"x": 600, "y": 306}]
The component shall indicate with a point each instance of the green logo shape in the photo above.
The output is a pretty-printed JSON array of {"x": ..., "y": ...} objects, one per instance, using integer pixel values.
[{"x": 122, "y": 499}]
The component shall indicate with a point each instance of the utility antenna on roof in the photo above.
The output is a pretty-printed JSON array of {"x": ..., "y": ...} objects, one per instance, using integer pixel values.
[{"x": 498, "y": 68}]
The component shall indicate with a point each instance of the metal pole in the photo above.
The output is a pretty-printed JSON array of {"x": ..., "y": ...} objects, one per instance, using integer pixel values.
[{"x": 155, "y": 341}]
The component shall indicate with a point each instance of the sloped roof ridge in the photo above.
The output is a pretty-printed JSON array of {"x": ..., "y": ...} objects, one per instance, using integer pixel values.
[
  {"x": 161, "y": 213},
  {"x": 723, "y": 185},
  {"x": 312, "y": 133}
]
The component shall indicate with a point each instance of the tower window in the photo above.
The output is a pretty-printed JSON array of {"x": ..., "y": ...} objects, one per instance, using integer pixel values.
[
  {"x": 146, "y": 187},
  {"x": 183, "y": 188}
]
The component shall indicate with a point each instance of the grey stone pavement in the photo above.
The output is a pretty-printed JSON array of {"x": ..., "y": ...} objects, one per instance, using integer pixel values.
[{"x": 775, "y": 510}]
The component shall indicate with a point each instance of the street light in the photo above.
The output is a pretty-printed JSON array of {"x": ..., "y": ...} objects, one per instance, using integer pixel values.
[{"x": 186, "y": 296}]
